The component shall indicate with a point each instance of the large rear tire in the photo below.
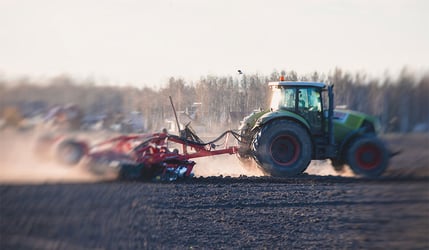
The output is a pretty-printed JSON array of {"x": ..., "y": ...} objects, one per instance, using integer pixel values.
[
  {"x": 368, "y": 156},
  {"x": 282, "y": 148}
]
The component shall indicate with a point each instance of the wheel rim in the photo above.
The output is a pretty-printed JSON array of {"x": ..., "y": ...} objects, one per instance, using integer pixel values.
[
  {"x": 285, "y": 150},
  {"x": 368, "y": 156}
]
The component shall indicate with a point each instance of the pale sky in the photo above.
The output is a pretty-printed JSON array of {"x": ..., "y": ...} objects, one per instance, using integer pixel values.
[{"x": 144, "y": 42}]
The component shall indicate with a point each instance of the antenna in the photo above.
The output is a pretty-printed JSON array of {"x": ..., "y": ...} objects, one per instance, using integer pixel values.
[{"x": 175, "y": 114}]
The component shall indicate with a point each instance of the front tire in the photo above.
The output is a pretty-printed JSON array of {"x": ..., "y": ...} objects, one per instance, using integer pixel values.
[
  {"x": 282, "y": 148},
  {"x": 368, "y": 156}
]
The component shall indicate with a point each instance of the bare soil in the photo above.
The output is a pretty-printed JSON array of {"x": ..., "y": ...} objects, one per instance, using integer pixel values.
[{"x": 310, "y": 211}]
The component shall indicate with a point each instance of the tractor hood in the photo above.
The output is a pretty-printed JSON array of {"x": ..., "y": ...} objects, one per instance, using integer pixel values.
[
  {"x": 346, "y": 121},
  {"x": 268, "y": 116}
]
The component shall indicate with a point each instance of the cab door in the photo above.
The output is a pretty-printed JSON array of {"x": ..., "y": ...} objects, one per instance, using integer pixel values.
[{"x": 309, "y": 106}]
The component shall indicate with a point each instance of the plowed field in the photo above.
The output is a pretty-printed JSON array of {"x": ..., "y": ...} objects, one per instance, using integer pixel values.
[{"x": 310, "y": 211}]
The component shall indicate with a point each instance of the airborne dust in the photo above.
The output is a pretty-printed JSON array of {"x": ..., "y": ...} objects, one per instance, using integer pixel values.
[{"x": 21, "y": 163}]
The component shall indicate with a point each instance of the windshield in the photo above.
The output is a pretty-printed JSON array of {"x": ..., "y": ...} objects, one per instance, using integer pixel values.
[{"x": 283, "y": 98}]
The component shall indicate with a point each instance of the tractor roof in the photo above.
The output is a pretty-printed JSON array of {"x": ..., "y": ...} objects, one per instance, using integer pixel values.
[{"x": 298, "y": 84}]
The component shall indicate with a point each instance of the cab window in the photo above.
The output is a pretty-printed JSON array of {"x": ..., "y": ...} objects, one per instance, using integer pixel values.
[{"x": 283, "y": 99}]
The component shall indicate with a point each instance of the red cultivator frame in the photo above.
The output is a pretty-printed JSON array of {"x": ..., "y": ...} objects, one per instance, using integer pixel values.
[{"x": 146, "y": 156}]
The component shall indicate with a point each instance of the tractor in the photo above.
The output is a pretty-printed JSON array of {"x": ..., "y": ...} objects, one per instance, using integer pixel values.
[{"x": 301, "y": 125}]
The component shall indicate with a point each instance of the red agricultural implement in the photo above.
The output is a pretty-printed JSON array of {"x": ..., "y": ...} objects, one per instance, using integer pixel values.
[
  {"x": 162, "y": 156},
  {"x": 145, "y": 156}
]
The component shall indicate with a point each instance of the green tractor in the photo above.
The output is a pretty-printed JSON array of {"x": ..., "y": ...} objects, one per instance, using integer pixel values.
[{"x": 300, "y": 126}]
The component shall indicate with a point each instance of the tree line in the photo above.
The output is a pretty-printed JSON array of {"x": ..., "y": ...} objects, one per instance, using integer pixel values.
[{"x": 401, "y": 104}]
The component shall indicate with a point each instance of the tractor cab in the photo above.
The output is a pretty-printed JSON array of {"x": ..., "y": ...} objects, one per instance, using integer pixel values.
[{"x": 300, "y": 98}]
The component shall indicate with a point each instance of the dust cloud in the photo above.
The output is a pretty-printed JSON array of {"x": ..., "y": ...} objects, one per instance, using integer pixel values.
[
  {"x": 229, "y": 165},
  {"x": 20, "y": 164},
  {"x": 225, "y": 165},
  {"x": 324, "y": 168}
]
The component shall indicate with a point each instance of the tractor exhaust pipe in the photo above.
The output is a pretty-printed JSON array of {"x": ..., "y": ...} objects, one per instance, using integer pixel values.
[{"x": 331, "y": 138}]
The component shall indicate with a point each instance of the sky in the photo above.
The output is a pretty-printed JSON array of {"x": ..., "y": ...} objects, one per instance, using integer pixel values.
[{"x": 143, "y": 43}]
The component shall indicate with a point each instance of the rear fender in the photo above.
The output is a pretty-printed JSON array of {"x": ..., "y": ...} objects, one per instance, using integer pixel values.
[{"x": 271, "y": 116}]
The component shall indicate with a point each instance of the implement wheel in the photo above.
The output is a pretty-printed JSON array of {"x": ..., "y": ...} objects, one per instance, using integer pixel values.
[
  {"x": 70, "y": 152},
  {"x": 282, "y": 148}
]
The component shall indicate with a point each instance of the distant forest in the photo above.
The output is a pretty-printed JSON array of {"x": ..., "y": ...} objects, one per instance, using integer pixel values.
[{"x": 401, "y": 104}]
